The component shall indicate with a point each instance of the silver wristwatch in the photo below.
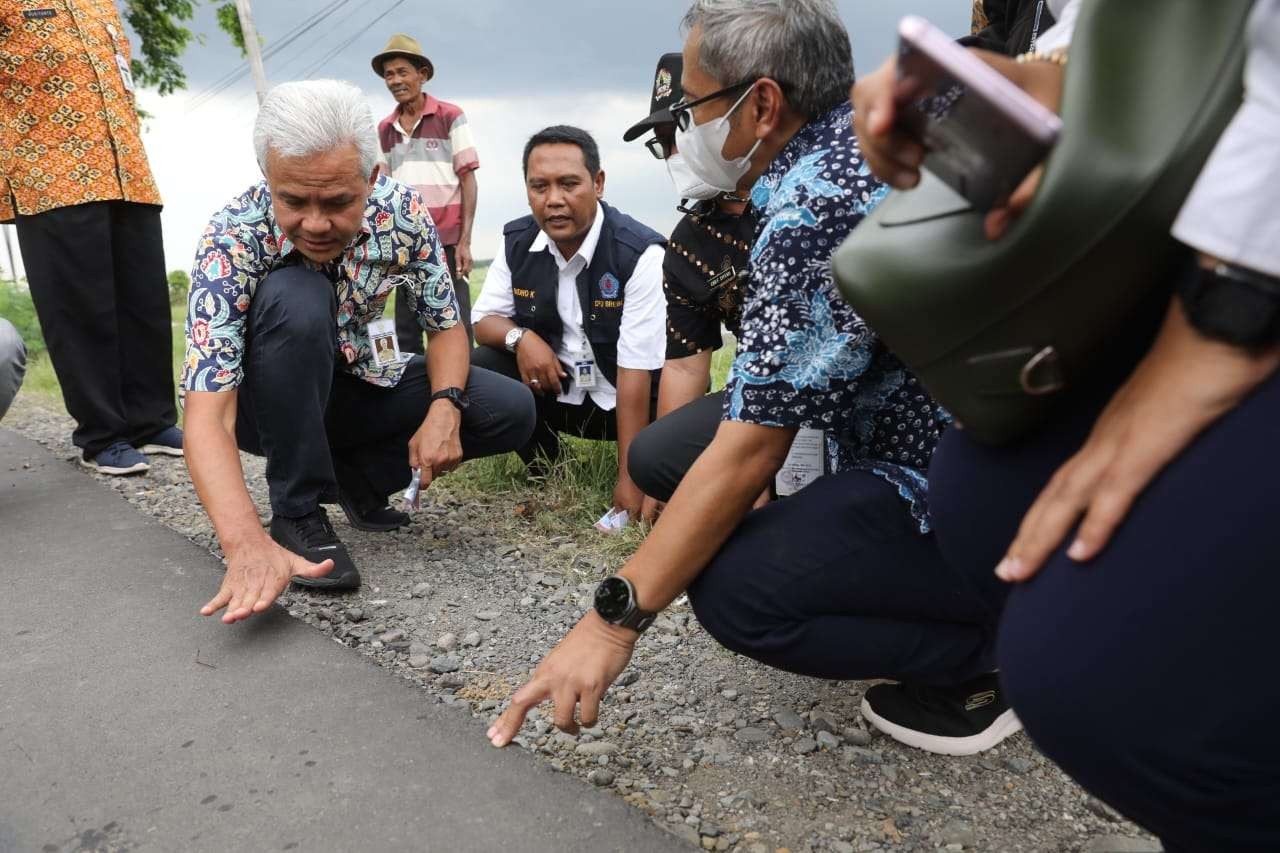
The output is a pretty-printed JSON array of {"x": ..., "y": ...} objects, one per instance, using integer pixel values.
[{"x": 513, "y": 337}]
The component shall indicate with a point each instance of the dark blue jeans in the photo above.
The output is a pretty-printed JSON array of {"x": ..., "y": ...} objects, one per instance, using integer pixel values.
[
  {"x": 322, "y": 429},
  {"x": 1149, "y": 673},
  {"x": 838, "y": 582}
]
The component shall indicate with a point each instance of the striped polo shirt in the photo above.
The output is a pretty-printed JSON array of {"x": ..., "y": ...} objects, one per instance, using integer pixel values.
[{"x": 432, "y": 159}]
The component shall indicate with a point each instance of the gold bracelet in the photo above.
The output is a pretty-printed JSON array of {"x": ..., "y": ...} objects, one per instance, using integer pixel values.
[{"x": 1057, "y": 57}]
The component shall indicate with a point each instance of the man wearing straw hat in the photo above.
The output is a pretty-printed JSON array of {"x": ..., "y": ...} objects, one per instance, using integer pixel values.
[{"x": 427, "y": 144}]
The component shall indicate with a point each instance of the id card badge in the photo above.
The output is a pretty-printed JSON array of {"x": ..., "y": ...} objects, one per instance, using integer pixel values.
[
  {"x": 382, "y": 338},
  {"x": 126, "y": 73},
  {"x": 584, "y": 367},
  {"x": 804, "y": 462},
  {"x": 584, "y": 374}
]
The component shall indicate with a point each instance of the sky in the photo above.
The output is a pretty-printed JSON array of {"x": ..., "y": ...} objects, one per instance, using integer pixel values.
[{"x": 514, "y": 66}]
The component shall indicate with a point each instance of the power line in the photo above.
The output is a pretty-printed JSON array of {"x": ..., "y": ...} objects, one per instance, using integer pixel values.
[
  {"x": 228, "y": 79},
  {"x": 297, "y": 59},
  {"x": 344, "y": 45}
]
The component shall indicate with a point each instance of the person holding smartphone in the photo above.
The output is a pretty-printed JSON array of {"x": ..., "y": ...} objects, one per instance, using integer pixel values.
[{"x": 1128, "y": 545}]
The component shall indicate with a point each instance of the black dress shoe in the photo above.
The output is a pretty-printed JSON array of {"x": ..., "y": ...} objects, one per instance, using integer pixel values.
[
  {"x": 375, "y": 520},
  {"x": 311, "y": 537}
]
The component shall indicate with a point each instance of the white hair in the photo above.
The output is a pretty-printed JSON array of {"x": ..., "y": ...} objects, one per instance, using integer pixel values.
[
  {"x": 313, "y": 116},
  {"x": 800, "y": 44}
]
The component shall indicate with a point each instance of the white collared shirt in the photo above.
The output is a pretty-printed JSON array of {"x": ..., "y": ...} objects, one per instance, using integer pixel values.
[
  {"x": 1230, "y": 213},
  {"x": 642, "y": 335}
]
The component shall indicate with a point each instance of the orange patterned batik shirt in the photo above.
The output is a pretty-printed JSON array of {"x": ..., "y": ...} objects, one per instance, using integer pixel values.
[{"x": 69, "y": 131}]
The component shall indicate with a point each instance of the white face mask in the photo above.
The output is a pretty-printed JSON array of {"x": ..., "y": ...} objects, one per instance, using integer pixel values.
[
  {"x": 703, "y": 148},
  {"x": 687, "y": 183}
]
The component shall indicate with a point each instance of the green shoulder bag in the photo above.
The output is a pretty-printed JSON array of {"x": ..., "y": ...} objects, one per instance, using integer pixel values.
[{"x": 999, "y": 332}]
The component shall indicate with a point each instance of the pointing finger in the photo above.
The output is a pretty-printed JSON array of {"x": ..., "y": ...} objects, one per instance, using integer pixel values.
[{"x": 502, "y": 731}]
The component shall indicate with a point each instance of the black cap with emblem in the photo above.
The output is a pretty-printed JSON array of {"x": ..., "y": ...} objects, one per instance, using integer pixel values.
[{"x": 666, "y": 91}]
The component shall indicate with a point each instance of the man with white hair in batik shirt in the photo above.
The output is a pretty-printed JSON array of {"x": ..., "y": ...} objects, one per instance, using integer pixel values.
[{"x": 288, "y": 279}]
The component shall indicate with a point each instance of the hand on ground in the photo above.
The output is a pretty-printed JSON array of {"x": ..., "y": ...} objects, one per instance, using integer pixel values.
[
  {"x": 627, "y": 495},
  {"x": 256, "y": 576},
  {"x": 575, "y": 673},
  {"x": 650, "y": 509}
]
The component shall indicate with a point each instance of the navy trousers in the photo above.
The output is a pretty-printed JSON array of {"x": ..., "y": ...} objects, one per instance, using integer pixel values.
[
  {"x": 97, "y": 279},
  {"x": 322, "y": 429},
  {"x": 667, "y": 448},
  {"x": 838, "y": 582},
  {"x": 1148, "y": 674}
]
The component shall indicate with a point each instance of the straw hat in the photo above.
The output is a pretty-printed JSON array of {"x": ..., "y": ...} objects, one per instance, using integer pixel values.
[{"x": 407, "y": 47}]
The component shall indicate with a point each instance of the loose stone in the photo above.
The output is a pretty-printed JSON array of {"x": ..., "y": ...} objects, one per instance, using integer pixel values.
[
  {"x": 788, "y": 720},
  {"x": 804, "y": 745},
  {"x": 445, "y": 663}
]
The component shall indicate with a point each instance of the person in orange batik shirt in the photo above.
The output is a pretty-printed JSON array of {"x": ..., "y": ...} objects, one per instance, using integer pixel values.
[{"x": 74, "y": 178}]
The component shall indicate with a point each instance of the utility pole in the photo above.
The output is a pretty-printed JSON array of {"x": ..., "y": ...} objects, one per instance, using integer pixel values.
[{"x": 252, "y": 47}]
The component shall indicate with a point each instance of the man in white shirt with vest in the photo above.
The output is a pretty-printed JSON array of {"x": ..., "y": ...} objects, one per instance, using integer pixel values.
[{"x": 573, "y": 307}]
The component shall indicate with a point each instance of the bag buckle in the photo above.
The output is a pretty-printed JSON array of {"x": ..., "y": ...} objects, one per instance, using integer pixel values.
[{"x": 1042, "y": 374}]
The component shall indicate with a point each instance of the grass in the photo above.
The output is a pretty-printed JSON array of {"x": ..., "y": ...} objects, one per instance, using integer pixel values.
[
  {"x": 41, "y": 382},
  {"x": 577, "y": 492},
  {"x": 580, "y": 487}
]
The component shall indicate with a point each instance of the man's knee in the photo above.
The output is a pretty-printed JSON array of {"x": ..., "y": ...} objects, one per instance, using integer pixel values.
[
  {"x": 645, "y": 463},
  {"x": 726, "y": 610},
  {"x": 295, "y": 301},
  {"x": 13, "y": 363},
  {"x": 13, "y": 352},
  {"x": 505, "y": 409},
  {"x": 1062, "y": 690},
  {"x": 496, "y": 360}
]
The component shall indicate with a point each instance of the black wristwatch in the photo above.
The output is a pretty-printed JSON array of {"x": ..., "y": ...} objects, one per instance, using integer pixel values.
[
  {"x": 456, "y": 396},
  {"x": 616, "y": 604},
  {"x": 1232, "y": 304}
]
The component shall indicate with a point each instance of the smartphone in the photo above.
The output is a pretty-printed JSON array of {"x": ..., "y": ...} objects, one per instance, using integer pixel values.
[{"x": 982, "y": 134}]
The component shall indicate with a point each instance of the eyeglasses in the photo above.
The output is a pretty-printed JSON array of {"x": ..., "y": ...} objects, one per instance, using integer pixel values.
[
  {"x": 682, "y": 110},
  {"x": 660, "y": 146}
]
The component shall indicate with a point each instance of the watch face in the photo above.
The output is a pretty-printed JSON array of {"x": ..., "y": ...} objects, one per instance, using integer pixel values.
[{"x": 613, "y": 599}]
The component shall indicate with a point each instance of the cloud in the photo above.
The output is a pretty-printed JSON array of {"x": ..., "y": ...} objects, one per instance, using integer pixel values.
[
  {"x": 513, "y": 66},
  {"x": 202, "y": 159}
]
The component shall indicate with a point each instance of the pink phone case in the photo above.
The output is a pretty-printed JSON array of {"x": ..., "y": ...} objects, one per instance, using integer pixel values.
[{"x": 982, "y": 133}]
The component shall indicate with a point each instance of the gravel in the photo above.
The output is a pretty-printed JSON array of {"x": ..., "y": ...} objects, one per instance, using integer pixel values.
[{"x": 723, "y": 752}]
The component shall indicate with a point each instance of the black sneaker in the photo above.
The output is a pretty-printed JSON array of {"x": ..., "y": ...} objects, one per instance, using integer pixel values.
[
  {"x": 961, "y": 720},
  {"x": 312, "y": 537},
  {"x": 376, "y": 520}
]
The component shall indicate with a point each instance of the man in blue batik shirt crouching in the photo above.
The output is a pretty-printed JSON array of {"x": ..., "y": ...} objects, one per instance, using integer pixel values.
[{"x": 842, "y": 580}]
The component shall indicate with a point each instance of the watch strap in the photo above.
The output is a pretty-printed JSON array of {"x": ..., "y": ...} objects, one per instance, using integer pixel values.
[
  {"x": 637, "y": 620},
  {"x": 1233, "y": 305},
  {"x": 454, "y": 395}
]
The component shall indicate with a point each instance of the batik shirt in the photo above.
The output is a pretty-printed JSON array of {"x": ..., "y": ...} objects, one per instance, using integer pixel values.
[
  {"x": 396, "y": 245},
  {"x": 69, "y": 131},
  {"x": 805, "y": 357}
]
